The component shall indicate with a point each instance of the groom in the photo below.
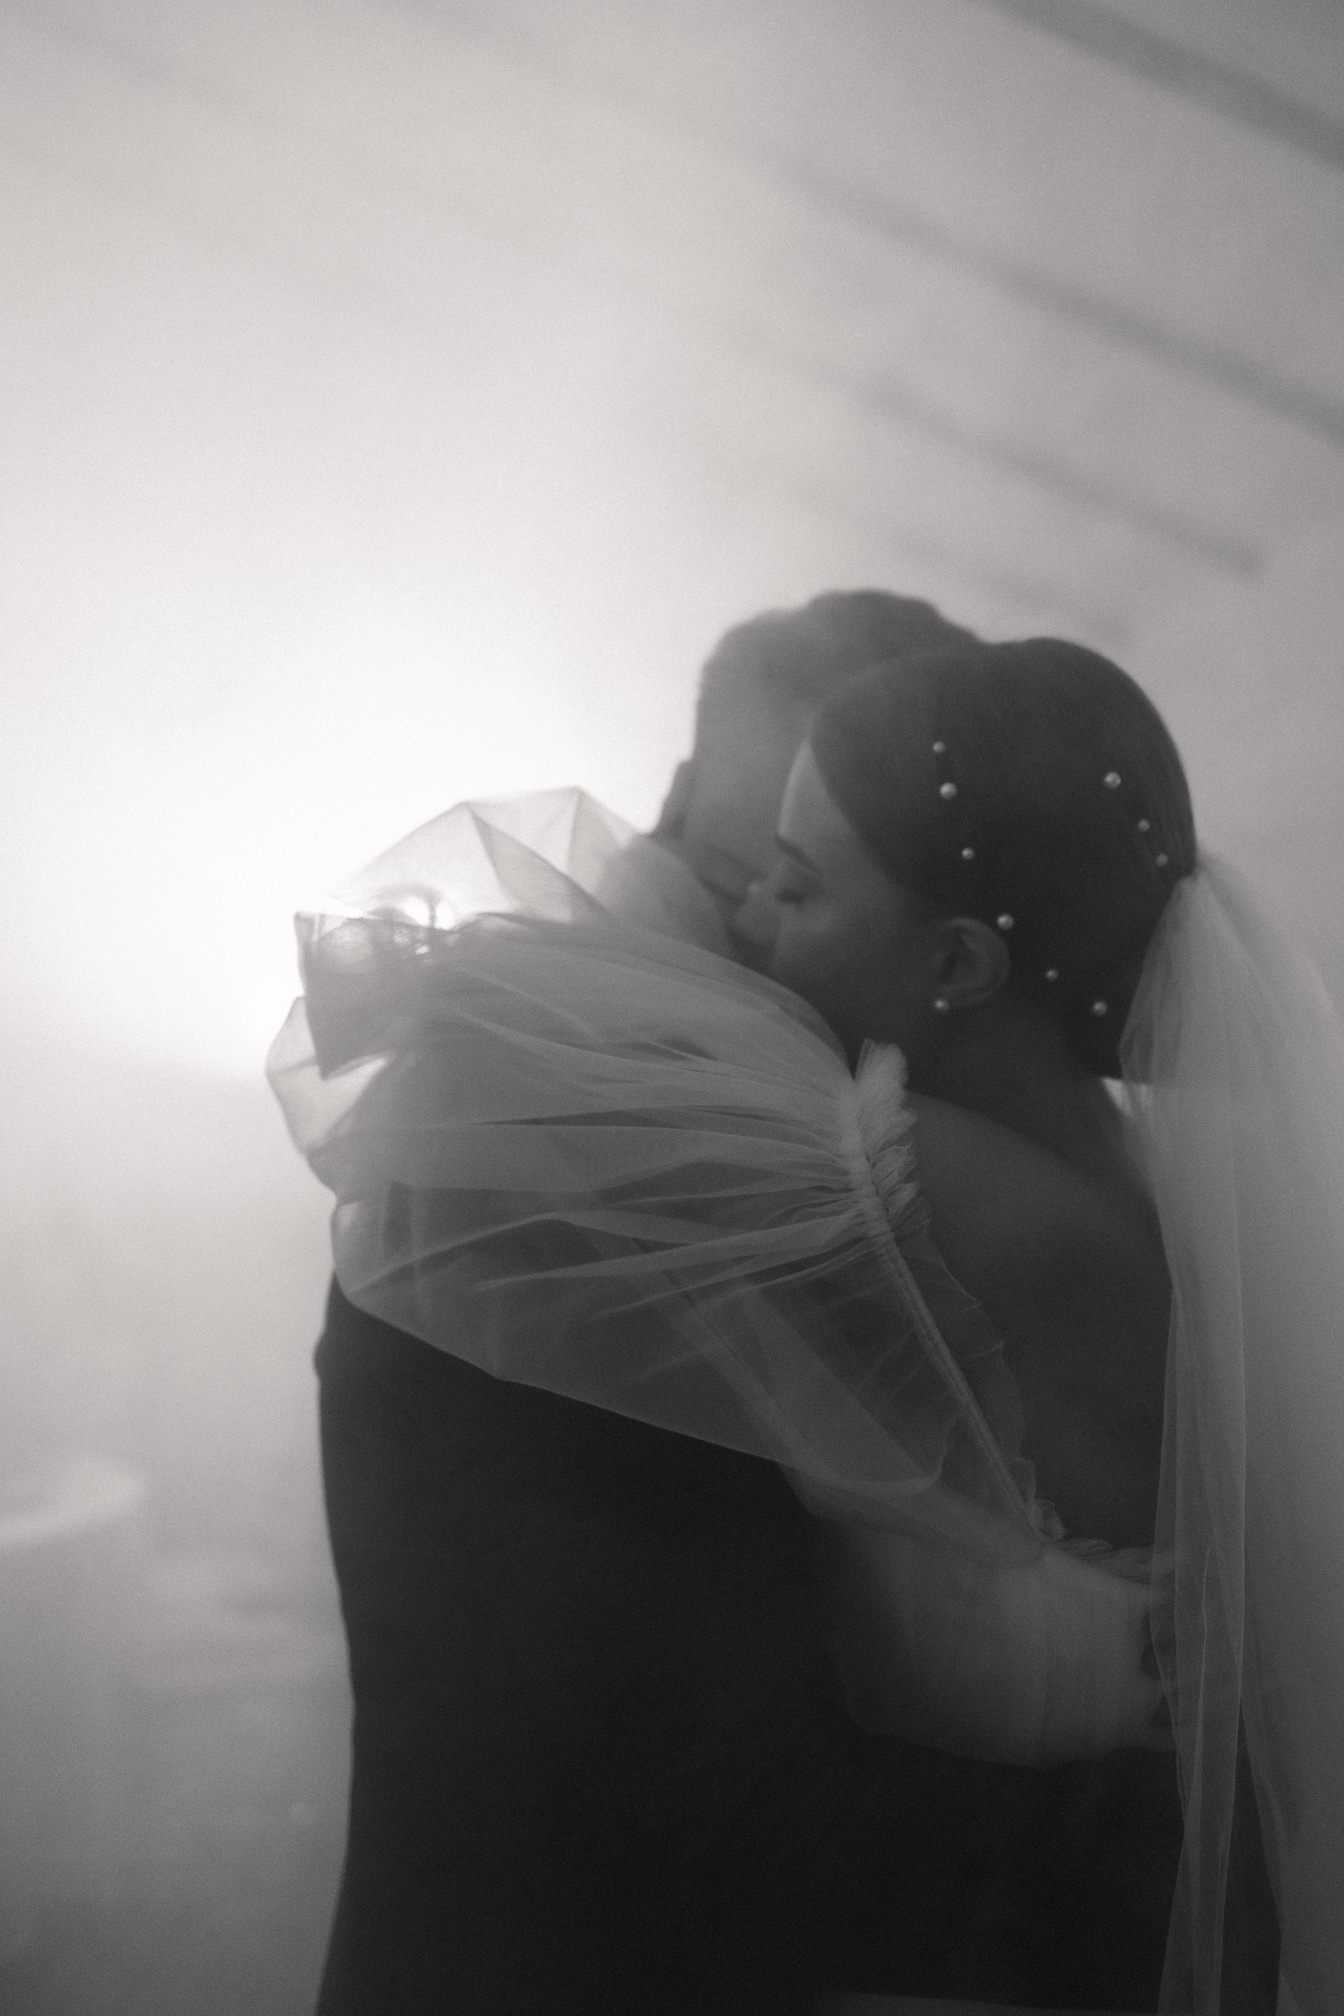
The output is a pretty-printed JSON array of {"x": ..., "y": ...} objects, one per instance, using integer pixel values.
[{"x": 600, "y": 1762}]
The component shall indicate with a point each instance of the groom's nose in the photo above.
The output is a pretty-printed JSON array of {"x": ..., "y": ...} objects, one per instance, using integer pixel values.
[{"x": 752, "y": 927}]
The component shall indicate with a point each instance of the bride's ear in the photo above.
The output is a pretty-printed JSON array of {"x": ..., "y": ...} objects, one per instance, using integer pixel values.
[{"x": 971, "y": 961}]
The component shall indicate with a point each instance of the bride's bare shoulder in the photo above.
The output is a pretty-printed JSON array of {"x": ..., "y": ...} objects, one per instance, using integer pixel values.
[
  {"x": 990, "y": 1184},
  {"x": 1008, "y": 1186},
  {"x": 1064, "y": 1251}
]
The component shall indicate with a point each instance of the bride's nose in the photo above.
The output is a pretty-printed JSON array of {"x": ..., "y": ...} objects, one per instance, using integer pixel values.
[{"x": 752, "y": 927}]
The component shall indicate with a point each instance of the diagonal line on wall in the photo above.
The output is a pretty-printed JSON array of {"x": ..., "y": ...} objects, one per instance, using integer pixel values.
[
  {"x": 866, "y": 208},
  {"x": 1229, "y": 370},
  {"x": 1233, "y": 94}
]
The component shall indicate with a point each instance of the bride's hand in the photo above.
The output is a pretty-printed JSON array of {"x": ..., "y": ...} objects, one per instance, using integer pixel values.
[
  {"x": 1035, "y": 1663},
  {"x": 1103, "y": 1691}
]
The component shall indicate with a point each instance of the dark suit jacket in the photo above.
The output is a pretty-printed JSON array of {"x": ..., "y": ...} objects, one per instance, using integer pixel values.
[{"x": 600, "y": 1762}]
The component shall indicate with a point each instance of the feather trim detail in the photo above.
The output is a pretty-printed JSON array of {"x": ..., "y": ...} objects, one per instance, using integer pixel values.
[{"x": 886, "y": 1128}]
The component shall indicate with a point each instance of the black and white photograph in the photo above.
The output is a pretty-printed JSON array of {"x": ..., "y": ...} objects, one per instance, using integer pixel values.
[{"x": 672, "y": 938}]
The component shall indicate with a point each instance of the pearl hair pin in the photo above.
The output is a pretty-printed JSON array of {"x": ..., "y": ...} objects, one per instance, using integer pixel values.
[
  {"x": 947, "y": 791},
  {"x": 1112, "y": 782},
  {"x": 1005, "y": 921}
]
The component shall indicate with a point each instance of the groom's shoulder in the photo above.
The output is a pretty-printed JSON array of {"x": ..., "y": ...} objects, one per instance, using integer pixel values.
[
  {"x": 500, "y": 1436},
  {"x": 352, "y": 1342}
]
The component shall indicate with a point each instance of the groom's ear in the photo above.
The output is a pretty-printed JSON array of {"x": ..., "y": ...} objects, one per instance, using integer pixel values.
[
  {"x": 672, "y": 818},
  {"x": 972, "y": 961}
]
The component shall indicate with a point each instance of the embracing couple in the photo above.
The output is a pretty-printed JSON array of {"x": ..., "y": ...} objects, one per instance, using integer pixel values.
[{"x": 829, "y": 1493}]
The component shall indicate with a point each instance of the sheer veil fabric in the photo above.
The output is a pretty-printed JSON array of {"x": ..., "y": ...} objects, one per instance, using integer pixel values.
[
  {"x": 593, "y": 1157},
  {"x": 1234, "y": 1067},
  {"x": 572, "y": 1145}
]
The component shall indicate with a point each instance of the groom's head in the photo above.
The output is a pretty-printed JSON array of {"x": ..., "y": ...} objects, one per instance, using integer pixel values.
[{"x": 761, "y": 685}]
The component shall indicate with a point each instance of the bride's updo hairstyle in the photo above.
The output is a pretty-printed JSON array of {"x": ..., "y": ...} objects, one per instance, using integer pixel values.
[{"x": 1034, "y": 786}]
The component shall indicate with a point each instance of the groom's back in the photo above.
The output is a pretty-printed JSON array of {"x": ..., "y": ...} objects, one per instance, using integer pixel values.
[
  {"x": 584, "y": 1656},
  {"x": 600, "y": 1762}
]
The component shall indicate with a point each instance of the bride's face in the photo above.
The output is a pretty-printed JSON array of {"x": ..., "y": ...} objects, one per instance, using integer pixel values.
[{"x": 846, "y": 937}]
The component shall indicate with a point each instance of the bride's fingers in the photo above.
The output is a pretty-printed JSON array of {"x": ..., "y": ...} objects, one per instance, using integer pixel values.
[
  {"x": 1154, "y": 1709},
  {"x": 1161, "y": 1735}
]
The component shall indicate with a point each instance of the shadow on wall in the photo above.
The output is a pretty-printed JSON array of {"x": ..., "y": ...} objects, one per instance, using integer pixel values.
[
  {"x": 173, "y": 1696},
  {"x": 1251, "y": 682}
]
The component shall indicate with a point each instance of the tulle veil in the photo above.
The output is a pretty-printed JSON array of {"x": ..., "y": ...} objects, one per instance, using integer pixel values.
[
  {"x": 1234, "y": 1069},
  {"x": 717, "y": 1198}
]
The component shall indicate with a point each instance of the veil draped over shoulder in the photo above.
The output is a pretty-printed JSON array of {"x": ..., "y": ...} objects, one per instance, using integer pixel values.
[
  {"x": 579, "y": 1150},
  {"x": 1234, "y": 1065}
]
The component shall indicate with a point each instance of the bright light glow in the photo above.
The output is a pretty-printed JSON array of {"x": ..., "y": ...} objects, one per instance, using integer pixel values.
[
  {"x": 287, "y": 574},
  {"x": 397, "y": 405}
]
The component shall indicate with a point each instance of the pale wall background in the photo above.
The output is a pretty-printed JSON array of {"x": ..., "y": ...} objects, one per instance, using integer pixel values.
[{"x": 396, "y": 400}]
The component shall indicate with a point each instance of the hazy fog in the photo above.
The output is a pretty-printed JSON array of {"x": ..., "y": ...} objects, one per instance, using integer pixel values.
[{"x": 397, "y": 400}]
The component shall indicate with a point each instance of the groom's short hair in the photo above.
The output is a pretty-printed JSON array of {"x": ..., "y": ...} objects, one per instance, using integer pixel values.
[
  {"x": 761, "y": 684},
  {"x": 798, "y": 657}
]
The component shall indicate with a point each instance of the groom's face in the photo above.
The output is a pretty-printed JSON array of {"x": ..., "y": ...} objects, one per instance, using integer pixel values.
[{"x": 726, "y": 834}]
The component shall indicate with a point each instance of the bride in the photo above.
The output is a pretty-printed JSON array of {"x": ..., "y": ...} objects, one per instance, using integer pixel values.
[{"x": 539, "y": 1120}]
